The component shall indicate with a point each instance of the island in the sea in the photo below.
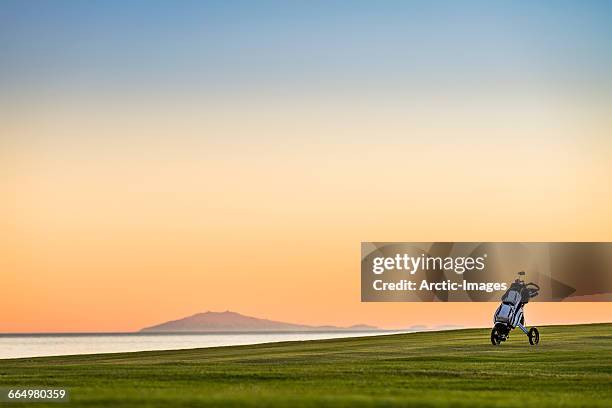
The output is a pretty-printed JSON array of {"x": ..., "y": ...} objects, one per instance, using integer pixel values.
[{"x": 235, "y": 322}]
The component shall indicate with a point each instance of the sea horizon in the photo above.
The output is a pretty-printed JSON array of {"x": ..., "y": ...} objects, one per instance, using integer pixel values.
[{"x": 30, "y": 345}]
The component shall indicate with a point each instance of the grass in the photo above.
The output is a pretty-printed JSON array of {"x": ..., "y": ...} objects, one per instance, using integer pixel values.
[{"x": 571, "y": 367}]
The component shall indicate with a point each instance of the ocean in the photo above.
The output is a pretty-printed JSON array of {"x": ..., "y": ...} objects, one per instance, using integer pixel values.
[{"x": 38, "y": 345}]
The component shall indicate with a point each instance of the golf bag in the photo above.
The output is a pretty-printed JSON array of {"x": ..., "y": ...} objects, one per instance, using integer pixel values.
[{"x": 510, "y": 313}]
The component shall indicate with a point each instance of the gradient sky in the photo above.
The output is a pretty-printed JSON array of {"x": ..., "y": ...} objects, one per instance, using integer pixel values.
[{"x": 164, "y": 158}]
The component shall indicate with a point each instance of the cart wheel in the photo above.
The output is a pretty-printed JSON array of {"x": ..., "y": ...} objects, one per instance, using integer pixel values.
[
  {"x": 495, "y": 340},
  {"x": 534, "y": 336}
]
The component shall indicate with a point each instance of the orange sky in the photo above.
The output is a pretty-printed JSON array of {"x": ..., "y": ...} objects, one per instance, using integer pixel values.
[
  {"x": 157, "y": 161},
  {"x": 117, "y": 216}
]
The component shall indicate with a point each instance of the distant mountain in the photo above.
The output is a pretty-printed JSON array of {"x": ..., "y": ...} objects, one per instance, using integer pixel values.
[{"x": 235, "y": 322}]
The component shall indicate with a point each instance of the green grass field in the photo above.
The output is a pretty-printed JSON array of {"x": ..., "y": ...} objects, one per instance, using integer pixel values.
[{"x": 571, "y": 367}]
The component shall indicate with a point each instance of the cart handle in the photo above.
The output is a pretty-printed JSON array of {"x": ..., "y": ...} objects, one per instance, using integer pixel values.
[{"x": 534, "y": 285}]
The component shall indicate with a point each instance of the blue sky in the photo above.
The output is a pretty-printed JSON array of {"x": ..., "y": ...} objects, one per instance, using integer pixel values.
[{"x": 317, "y": 46}]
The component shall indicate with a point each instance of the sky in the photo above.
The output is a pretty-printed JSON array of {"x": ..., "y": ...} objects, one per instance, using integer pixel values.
[{"x": 163, "y": 158}]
